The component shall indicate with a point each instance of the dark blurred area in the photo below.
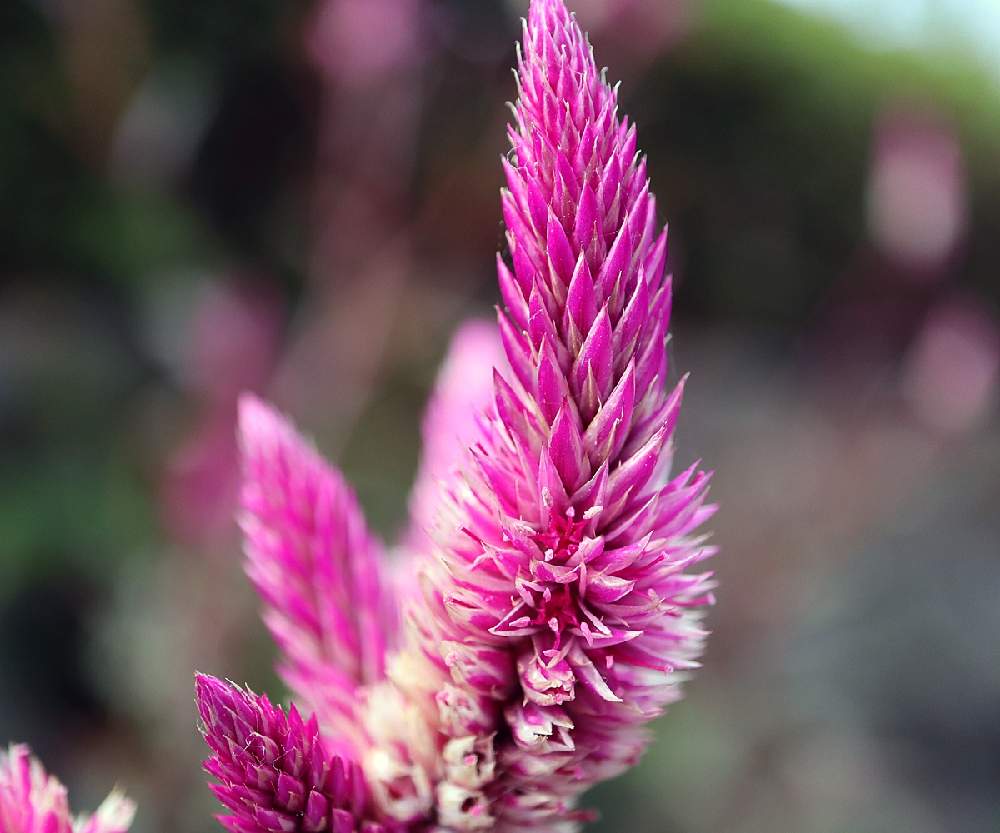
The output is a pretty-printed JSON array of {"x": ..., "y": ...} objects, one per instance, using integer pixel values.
[{"x": 300, "y": 198}]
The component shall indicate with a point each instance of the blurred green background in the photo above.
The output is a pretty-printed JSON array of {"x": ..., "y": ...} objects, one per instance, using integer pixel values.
[{"x": 300, "y": 198}]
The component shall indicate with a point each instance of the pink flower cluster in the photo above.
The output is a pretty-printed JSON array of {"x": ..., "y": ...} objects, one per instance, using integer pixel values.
[
  {"x": 546, "y": 603},
  {"x": 273, "y": 771}
]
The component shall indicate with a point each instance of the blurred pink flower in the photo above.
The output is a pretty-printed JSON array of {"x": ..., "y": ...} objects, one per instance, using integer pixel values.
[
  {"x": 32, "y": 801},
  {"x": 952, "y": 373},
  {"x": 359, "y": 42},
  {"x": 234, "y": 335},
  {"x": 916, "y": 197},
  {"x": 231, "y": 347},
  {"x": 451, "y": 421}
]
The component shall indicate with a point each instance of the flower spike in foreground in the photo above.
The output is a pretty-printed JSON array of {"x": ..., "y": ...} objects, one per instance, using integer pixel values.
[
  {"x": 572, "y": 539},
  {"x": 32, "y": 801},
  {"x": 273, "y": 771}
]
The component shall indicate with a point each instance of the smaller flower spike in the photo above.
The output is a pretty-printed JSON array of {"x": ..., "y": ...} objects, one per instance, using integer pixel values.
[
  {"x": 274, "y": 773},
  {"x": 452, "y": 422},
  {"x": 32, "y": 801},
  {"x": 316, "y": 566}
]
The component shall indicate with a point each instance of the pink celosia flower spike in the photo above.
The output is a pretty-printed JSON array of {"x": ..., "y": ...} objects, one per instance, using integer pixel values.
[
  {"x": 274, "y": 774},
  {"x": 573, "y": 539},
  {"x": 317, "y": 568},
  {"x": 32, "y": 801}
]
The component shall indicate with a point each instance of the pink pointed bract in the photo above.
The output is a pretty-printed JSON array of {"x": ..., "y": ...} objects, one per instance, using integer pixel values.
[
  {"x": 32, "y": 801},
  {"x": 553, "y": 594}
]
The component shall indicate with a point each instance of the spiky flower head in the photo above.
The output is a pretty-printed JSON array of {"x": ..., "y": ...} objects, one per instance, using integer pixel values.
[
  {"x": 32, "y": 801},
  {"x": 274, "y": 774},
  {"x": 573, "y": 536}
]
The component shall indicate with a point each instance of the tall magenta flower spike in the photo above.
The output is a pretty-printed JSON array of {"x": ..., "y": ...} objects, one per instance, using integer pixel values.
[
  {"x": 32, "y": 801},
  {"x": 572, "y": 538},
  {"x": 548, "y": 582},
  {"x": 274, "y": 774}
]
